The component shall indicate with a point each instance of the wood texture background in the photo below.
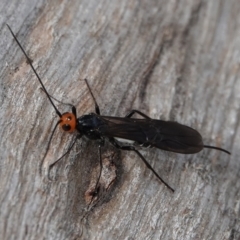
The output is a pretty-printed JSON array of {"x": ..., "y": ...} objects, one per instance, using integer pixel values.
[{"x": 173, "y": 60}]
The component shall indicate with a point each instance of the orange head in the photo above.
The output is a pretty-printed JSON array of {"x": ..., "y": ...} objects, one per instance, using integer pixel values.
[{"x": 68, "y": 122}]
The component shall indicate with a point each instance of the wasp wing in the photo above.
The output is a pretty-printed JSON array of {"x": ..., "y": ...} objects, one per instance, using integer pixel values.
[{"x": 166, "y": 135}]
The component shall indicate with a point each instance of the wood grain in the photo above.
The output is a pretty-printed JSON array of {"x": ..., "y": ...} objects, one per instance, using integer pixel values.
[{"x": 173, "y": 60}]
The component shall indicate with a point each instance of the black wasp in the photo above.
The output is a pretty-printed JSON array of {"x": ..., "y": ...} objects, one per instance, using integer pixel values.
[{"x": 146, "y": 132}]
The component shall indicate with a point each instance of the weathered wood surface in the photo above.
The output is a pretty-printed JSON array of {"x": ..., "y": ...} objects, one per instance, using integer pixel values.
[{"x": 174, "y": 60}]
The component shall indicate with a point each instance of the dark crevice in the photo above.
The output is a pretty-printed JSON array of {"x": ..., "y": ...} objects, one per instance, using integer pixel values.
[
  {"x": 186, "y": 45},
  {"x": 167, "y": 42}
]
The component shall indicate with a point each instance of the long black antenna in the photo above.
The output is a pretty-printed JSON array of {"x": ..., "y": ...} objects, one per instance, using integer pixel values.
[{"x": 39, "y": 79}]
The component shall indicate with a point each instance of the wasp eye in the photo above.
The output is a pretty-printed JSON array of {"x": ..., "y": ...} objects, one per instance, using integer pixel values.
[{"x": 66, "y": 127}]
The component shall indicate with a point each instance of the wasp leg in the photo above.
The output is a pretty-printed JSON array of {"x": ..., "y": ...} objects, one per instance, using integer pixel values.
[
  {"x": 130, "y": 148},
  {"x": 130, "y": 114},
  {"x": 97, "y": 109}
]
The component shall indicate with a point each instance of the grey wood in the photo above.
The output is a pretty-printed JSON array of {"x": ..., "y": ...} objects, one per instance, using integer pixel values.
[{"x": 173, "y": 60}]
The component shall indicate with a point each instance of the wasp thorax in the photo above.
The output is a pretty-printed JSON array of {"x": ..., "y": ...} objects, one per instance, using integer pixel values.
[{"x": 68, "y": 122}]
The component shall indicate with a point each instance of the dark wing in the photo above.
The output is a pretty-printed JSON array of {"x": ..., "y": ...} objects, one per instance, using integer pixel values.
[{"x": 166, "y": 135}]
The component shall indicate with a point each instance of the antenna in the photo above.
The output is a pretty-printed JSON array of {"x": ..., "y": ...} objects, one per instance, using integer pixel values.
[{"x": 39, "y": 79}]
